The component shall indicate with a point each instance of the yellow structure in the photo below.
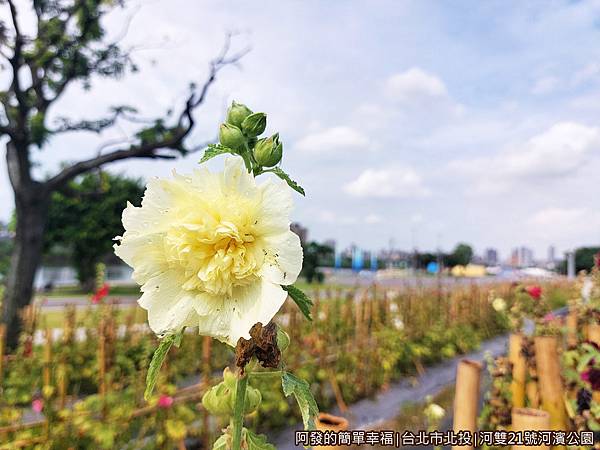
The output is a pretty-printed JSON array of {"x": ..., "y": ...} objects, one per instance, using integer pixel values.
[{"x": 470, "y": 270}]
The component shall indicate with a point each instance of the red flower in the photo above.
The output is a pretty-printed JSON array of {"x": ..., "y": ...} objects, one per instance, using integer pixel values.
[
  {"x": 534, "y": 291},
  {"x": 165, "y": 401},
  {"x": 100, "y": 294}
]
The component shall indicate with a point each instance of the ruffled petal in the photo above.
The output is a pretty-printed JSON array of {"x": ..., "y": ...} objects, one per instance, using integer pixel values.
[
  {"x": 145, "y": 254},
  {"x": 169, "y": 307},
  {"x": 229, "y": 319},
  {"x": 276, "y": 207},
  {"x": 284, "y": 258},
  {"x": 236, "y": 178}
]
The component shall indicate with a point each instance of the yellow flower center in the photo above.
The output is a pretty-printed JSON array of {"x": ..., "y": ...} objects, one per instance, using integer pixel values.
[{"x": 214, "y": 257}]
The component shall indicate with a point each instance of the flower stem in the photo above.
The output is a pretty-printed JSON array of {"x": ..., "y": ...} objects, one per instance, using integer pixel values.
[{"x": 238, "y": 410}]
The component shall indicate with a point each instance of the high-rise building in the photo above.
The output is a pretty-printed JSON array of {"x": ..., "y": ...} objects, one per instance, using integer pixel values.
[
  {"x": 551, "y": 254},
  {"x": 522, "y": 257},
  {"x": 301, "y": 231},
  {"x": 491, "y": 257}
]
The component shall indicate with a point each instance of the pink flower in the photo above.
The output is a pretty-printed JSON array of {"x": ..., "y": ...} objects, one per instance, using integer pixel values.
[
  {"x": 37, "y": 405},
  {"x": 534, "y": 291},
  {"x": 165, "y": 401},
  {"x": 100, "y": 294},
  {"x": 550, "y": 317}
]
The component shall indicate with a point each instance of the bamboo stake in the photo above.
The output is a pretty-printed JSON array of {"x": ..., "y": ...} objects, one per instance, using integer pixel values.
[
  {"x": 528, "y": 419},
  {"x": 572, "y": 323},
  {"x": 101, "y": 358},
  {"x": 358, "y": 320},
  {"x": 533, "y": 394},
  {"x": 328, "y": 422},
  {"x": 551, "y": 386},
  {"x": 519, "y": 369},
  {"x": 593, "y": 333},
  {"x": 47, "y": 372},
  {"x": 466, "y": 397},
  {"x": 2, "y": 351}
]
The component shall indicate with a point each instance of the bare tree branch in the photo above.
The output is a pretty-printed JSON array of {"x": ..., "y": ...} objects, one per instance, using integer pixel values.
[
  {"x": 15, "y": 62},
  {"x": 172, "y": 142}
]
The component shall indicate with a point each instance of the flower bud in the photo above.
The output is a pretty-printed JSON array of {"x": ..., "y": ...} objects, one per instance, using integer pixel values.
[
  {"x": 217, "y": 400},
  {"x": 255, "y": 124},
  {"x": 220, "y": 399},
  {"x": 283, "y": 339},
  {"x": 268, "y": 152},
  {"x": 231, "y": 136},
  {"x": 237, "y": 113},
  {"x": 253, "y": 399}
]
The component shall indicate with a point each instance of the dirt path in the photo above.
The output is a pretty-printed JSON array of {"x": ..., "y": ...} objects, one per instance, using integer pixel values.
[{"x": 371, "y": 413}]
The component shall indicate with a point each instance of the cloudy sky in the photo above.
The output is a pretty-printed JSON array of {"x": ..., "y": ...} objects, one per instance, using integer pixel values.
[{"x": 421, "y": 122}]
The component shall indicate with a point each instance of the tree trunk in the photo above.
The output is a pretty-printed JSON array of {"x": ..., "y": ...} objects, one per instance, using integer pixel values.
[{"x": 31, "y": 214}]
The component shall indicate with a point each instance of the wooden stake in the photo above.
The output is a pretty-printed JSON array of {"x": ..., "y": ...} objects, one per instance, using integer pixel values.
[
  {"x": 533, "y": 394},
  {"x": 328, "y": 422},
  {"x": 2, "y": 351},
  {"x": 519, "y": 369},
  {"x": 593, "y": 333},
  {"x": 526, "y": 419},
  {"x": 101, "y": 358},
  {"x": 47, "y": 372},
  {"x": 551, "y": 386},
  {"x": 572, "y": 323},
  {"x": 466, "y": 397}
]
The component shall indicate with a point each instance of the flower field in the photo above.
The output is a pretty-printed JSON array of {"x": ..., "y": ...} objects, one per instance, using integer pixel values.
[
  {"x": 551, "y": 373},
  {"x": 84, "y": 388}
]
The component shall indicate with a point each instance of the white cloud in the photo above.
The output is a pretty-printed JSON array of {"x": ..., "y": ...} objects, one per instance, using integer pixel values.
[
  {"x": 415, "y": 83},
  {"x": 373, "y": 219},
  {"x": 545, "y": 85},
  {"x": 332, "y": 139},
  {"x": 588, "y": 73},
  {"x": 330, "y": 217},
  {"x": 559, "y": 151},
  {"x": 566, "y": 226},
  {"x": 386, "y": 183}
]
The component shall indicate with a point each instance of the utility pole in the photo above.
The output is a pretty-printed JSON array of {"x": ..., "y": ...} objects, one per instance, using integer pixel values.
[{"x": 570, "y": 256}]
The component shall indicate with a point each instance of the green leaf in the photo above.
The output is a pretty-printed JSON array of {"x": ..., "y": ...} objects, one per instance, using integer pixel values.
[
  {"x": 257, "y": 441},
  {"x": 223, "y": 443},
  {"x": 216, "y": 150},
  {"x": 300, "y": 389},
  {"x": 584, "y": 362},
  {"x": 301, "y": 299},
  {"x": 285, "y": 177},
  {"x": 157, "y": 359}
]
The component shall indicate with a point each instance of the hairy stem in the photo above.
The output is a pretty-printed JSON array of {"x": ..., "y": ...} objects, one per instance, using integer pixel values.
[{"x": 238, "y": 410}]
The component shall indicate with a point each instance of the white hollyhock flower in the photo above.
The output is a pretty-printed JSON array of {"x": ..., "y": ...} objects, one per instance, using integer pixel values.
[
  {"x": 499, "y": 304},
  {"x": 211, "y": 250},
  {"x": 434, "y": 412}
]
